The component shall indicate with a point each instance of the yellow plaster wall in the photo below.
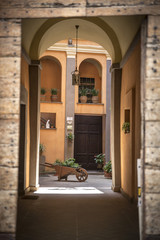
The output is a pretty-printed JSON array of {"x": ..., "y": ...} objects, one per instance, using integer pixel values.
[
  {"x": 95, "y": 108},
  {"x": 25, "y": 83},
  {"x": 51, "y": 77},
  {"x": 130, "y": 143},
  {"x": 54, "y": 139}
]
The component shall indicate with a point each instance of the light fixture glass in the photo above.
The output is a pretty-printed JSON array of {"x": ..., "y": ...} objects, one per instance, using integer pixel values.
[{"x": 76, "y": 74}]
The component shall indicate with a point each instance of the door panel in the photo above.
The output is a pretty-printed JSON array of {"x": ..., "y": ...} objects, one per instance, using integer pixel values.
[{"x": 88, "y": 140}]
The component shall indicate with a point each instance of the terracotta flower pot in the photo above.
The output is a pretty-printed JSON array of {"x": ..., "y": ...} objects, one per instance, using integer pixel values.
[
  {"x": 42, "y": 98},
  {"x": 99, "y": 166},
  {"x": 53, "y": 98},
  {"x": 83, "y": 99},
  {"x": 94, "y": 99},
  {"x": 108, "y": 175}
]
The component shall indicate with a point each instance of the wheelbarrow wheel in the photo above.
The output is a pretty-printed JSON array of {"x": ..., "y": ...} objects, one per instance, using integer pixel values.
[{"x": 81, "y": 175}]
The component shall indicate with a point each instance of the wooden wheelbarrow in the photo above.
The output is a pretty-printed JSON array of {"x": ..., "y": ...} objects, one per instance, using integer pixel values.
[{"x": 63, "y": 172}]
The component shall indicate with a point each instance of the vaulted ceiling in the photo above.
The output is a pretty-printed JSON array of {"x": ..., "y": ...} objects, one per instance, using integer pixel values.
[{"x": 115, "y": 34}]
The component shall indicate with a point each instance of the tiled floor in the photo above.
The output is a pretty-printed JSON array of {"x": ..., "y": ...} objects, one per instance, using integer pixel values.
[{"x": 77, "y": 211}]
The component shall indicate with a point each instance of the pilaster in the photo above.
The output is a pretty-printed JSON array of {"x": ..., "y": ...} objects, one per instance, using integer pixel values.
[
  {"x": 115, "y": 128},
  {"x": 34, "y": 85}
]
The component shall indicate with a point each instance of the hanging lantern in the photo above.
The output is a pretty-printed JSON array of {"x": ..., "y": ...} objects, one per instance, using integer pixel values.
[{"x": 76, "y": 74}]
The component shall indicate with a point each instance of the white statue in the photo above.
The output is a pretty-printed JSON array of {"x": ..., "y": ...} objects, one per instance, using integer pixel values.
[{"x": 48, "y": 124}]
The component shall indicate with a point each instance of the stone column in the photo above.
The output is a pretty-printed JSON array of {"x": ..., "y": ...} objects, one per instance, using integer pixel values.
[
  {"x": 115, "y": 128},
  {"x": 150, "y": 112},
  {"x": 10, "y": 63},
  {"x": 70, "y": 96},
  {"x": 34, "y": 96},
  {"x": 108, "y": 111}
]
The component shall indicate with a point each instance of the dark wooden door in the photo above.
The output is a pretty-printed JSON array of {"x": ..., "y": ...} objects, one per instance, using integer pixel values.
[{"x": 88, "y": 140}]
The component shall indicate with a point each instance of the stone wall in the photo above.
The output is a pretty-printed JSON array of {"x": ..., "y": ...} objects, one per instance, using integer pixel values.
[
  {"x": 151, "y": 130},
  {"x": 10, "y": 42}
]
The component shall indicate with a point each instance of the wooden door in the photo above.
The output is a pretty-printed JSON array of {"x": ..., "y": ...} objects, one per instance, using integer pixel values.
[{"x": 88, "y": 140}]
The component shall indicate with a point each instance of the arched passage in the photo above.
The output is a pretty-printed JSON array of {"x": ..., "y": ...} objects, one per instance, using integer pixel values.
[{"x": 57, "y": 29}]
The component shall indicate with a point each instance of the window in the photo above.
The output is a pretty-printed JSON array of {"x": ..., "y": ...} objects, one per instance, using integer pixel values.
[
  {"x": 50, "y": 118},
  {"x": 87, "y": 83}
]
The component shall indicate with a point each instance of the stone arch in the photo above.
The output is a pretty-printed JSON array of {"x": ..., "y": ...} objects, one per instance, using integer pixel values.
[{"x": 108, "y": 39}]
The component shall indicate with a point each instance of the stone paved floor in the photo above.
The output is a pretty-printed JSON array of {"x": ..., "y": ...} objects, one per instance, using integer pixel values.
[{"x": 87, "y": 211}]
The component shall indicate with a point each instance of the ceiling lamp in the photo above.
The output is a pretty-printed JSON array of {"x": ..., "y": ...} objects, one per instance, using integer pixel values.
[{"x": 76, "y": 74}]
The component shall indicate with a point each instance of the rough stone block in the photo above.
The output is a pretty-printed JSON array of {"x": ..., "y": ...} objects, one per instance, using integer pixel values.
[
  {"x": 10, "y": 88},
  {"x": 152, "y": 67},
  {"x": 153, "y": 26},
  {"x": 10, "y": 27},
  {"x": 152, "y": 179},
  {"x": 9, "y": 105},
  {"x": 9, "y": 132},
  {"x": 152, "y": 110},
  {"x": 152, "y": 134},
  {"x": 10, "y": 67},
  {"x": 152, "y": 51},
  {"x": 8, "y": 178},
  {"x": 153, "y": 90},
  {"x": 8, "y": 155},
  {"x": 152, "y": 156},
  {"x": 10, "y": 47},
  {"x": 152, "y": 211},
  {"x": 8, "y": 209}
]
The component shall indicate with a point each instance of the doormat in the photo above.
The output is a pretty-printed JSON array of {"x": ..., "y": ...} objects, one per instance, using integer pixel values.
[{"x": 32, "y": 197}]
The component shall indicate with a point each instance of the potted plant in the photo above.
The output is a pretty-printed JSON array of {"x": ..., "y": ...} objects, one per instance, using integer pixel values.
[
  {"x": 108, "y": 170},
  {"x": 43, "y": 96},
  {"x": 99, "y": 159},
  {"x": 83, "y": 94},
  {"x": 42, "y": 158},
  {"x": 54, "y": 94},
  {"x": 126, "y": 127},
  {"x": 94, "y": 93},
  {"x": 42, "y": 148},
  {"x": 70, "y": 136}
]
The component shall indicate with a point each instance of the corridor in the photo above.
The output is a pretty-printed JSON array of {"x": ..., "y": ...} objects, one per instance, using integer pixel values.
[{"x": 89, "y": 210}]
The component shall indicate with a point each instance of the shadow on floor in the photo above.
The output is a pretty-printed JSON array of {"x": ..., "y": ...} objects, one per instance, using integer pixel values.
[{"x": 104, "y": 215}]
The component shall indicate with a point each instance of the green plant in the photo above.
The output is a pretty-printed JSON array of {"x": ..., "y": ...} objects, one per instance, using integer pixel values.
[
  {"x": 108, "y": 167},
  {"x": 83, "y": 91},
  {"x": 99, "y": 159},
  {"x": 70, "y": 136},
  {"x": 126, "y": 127},
  {"x": 70, "y": 162},
  {"x": 43, "y": 91},
  {"x": 54, "y": 91},
  {"x": 42, "y": 148},
  {"x": 94, "y": 92}
]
